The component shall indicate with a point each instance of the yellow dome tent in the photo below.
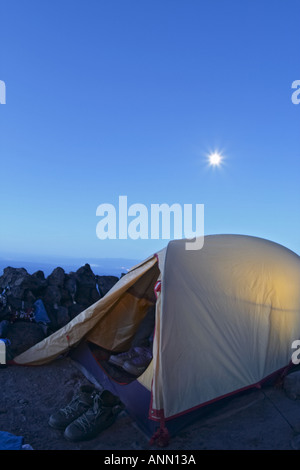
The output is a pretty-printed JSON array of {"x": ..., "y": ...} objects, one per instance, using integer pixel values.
[{"x": 226, "y": 317}]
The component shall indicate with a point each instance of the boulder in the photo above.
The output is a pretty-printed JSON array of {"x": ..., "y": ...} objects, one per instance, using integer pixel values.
[
  {"x": 16, "y": 304},
  {"x": 18, "y": 281},
  {"x": 85, "y": 276},
  {"x": 56, "y": 278},
  {"x": 4, "y": 325},
  {"x": 52, "y": 315},
  {"x": 86, "y": 296},
  {"x": 64, "y": 295},
  {"x": 62, "y": 317},
  {"x": 23, "y": 335},
  {"x": 75, "y": 309},
  {"x": 11, "y": 275},
  {"x": 66, "y": 299},
  {"x": 29, "y": 298},
  {"x": 105, "y": 283},
  {"x": 71, "y": 285},
  {"x": 86, "y": 291},
  {"x": 39, "y": 275},
  {"x": 52, "y": 296}
]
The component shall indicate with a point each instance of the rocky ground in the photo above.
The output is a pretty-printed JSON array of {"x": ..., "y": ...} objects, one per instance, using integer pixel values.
[{"x": 262, "y": 419}]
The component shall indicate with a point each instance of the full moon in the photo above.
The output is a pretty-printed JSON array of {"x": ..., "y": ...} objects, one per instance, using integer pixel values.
[{"x": 215, "y": 159}]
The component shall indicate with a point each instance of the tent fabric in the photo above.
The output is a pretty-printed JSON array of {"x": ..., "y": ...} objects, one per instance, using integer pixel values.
[
  {"x": 105, "y": 315},
  {"x": 230, "y": 313},
  {"x": 226, "y": 316}
]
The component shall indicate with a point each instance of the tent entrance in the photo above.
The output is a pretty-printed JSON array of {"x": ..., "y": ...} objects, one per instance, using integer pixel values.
[
  {"x": 134, "y": 395},
  {"x": 117, "y": 374},
  {"x": 116, "y": 329}
]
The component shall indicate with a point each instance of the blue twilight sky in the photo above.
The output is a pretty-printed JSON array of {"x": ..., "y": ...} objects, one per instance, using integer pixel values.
[{"x": 127, "y": 97}]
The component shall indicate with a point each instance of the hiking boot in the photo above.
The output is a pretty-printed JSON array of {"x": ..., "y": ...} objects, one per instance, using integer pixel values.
[
  {"x": 80, "y": 403},
  {"x": 119, "y": 359},
  {"x": 139, "y": 363},
  {"x": 100, "y": 416}
]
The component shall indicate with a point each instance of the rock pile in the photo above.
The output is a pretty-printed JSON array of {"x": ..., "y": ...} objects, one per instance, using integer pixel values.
[{"x": 62, "y": 295}]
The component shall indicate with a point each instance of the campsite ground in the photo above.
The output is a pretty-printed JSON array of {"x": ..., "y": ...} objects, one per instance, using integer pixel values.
[{"x": 261, "y": 419}]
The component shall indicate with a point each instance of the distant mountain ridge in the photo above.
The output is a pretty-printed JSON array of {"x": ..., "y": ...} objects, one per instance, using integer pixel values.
[{"x": 101, "y": 266}]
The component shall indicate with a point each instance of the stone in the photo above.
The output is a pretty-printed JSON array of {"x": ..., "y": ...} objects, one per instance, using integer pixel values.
[
  {"x": 39, "y": 275},
  {"x": 66, "y": 299},
  {"x": 23, "y": 335},
  {"x": 56, "y": 278},
  {"x": 105, "y": 283},
  {"x": 10, "y": 275},
  {"x": 75, "y": 309},
  {"x": 17, "y": 281},
  {"x": 52, "y": 296},
  {"x": 62, "y": 316},
  {"x": 86, "y": 290},
  {"x": 85, "y": 276},
  {"x": 29, "y": 298},
  {"x": 86, "y": 296},
  {"x": 71, "y": 285},
  {"x": 4, "y": 325}
]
